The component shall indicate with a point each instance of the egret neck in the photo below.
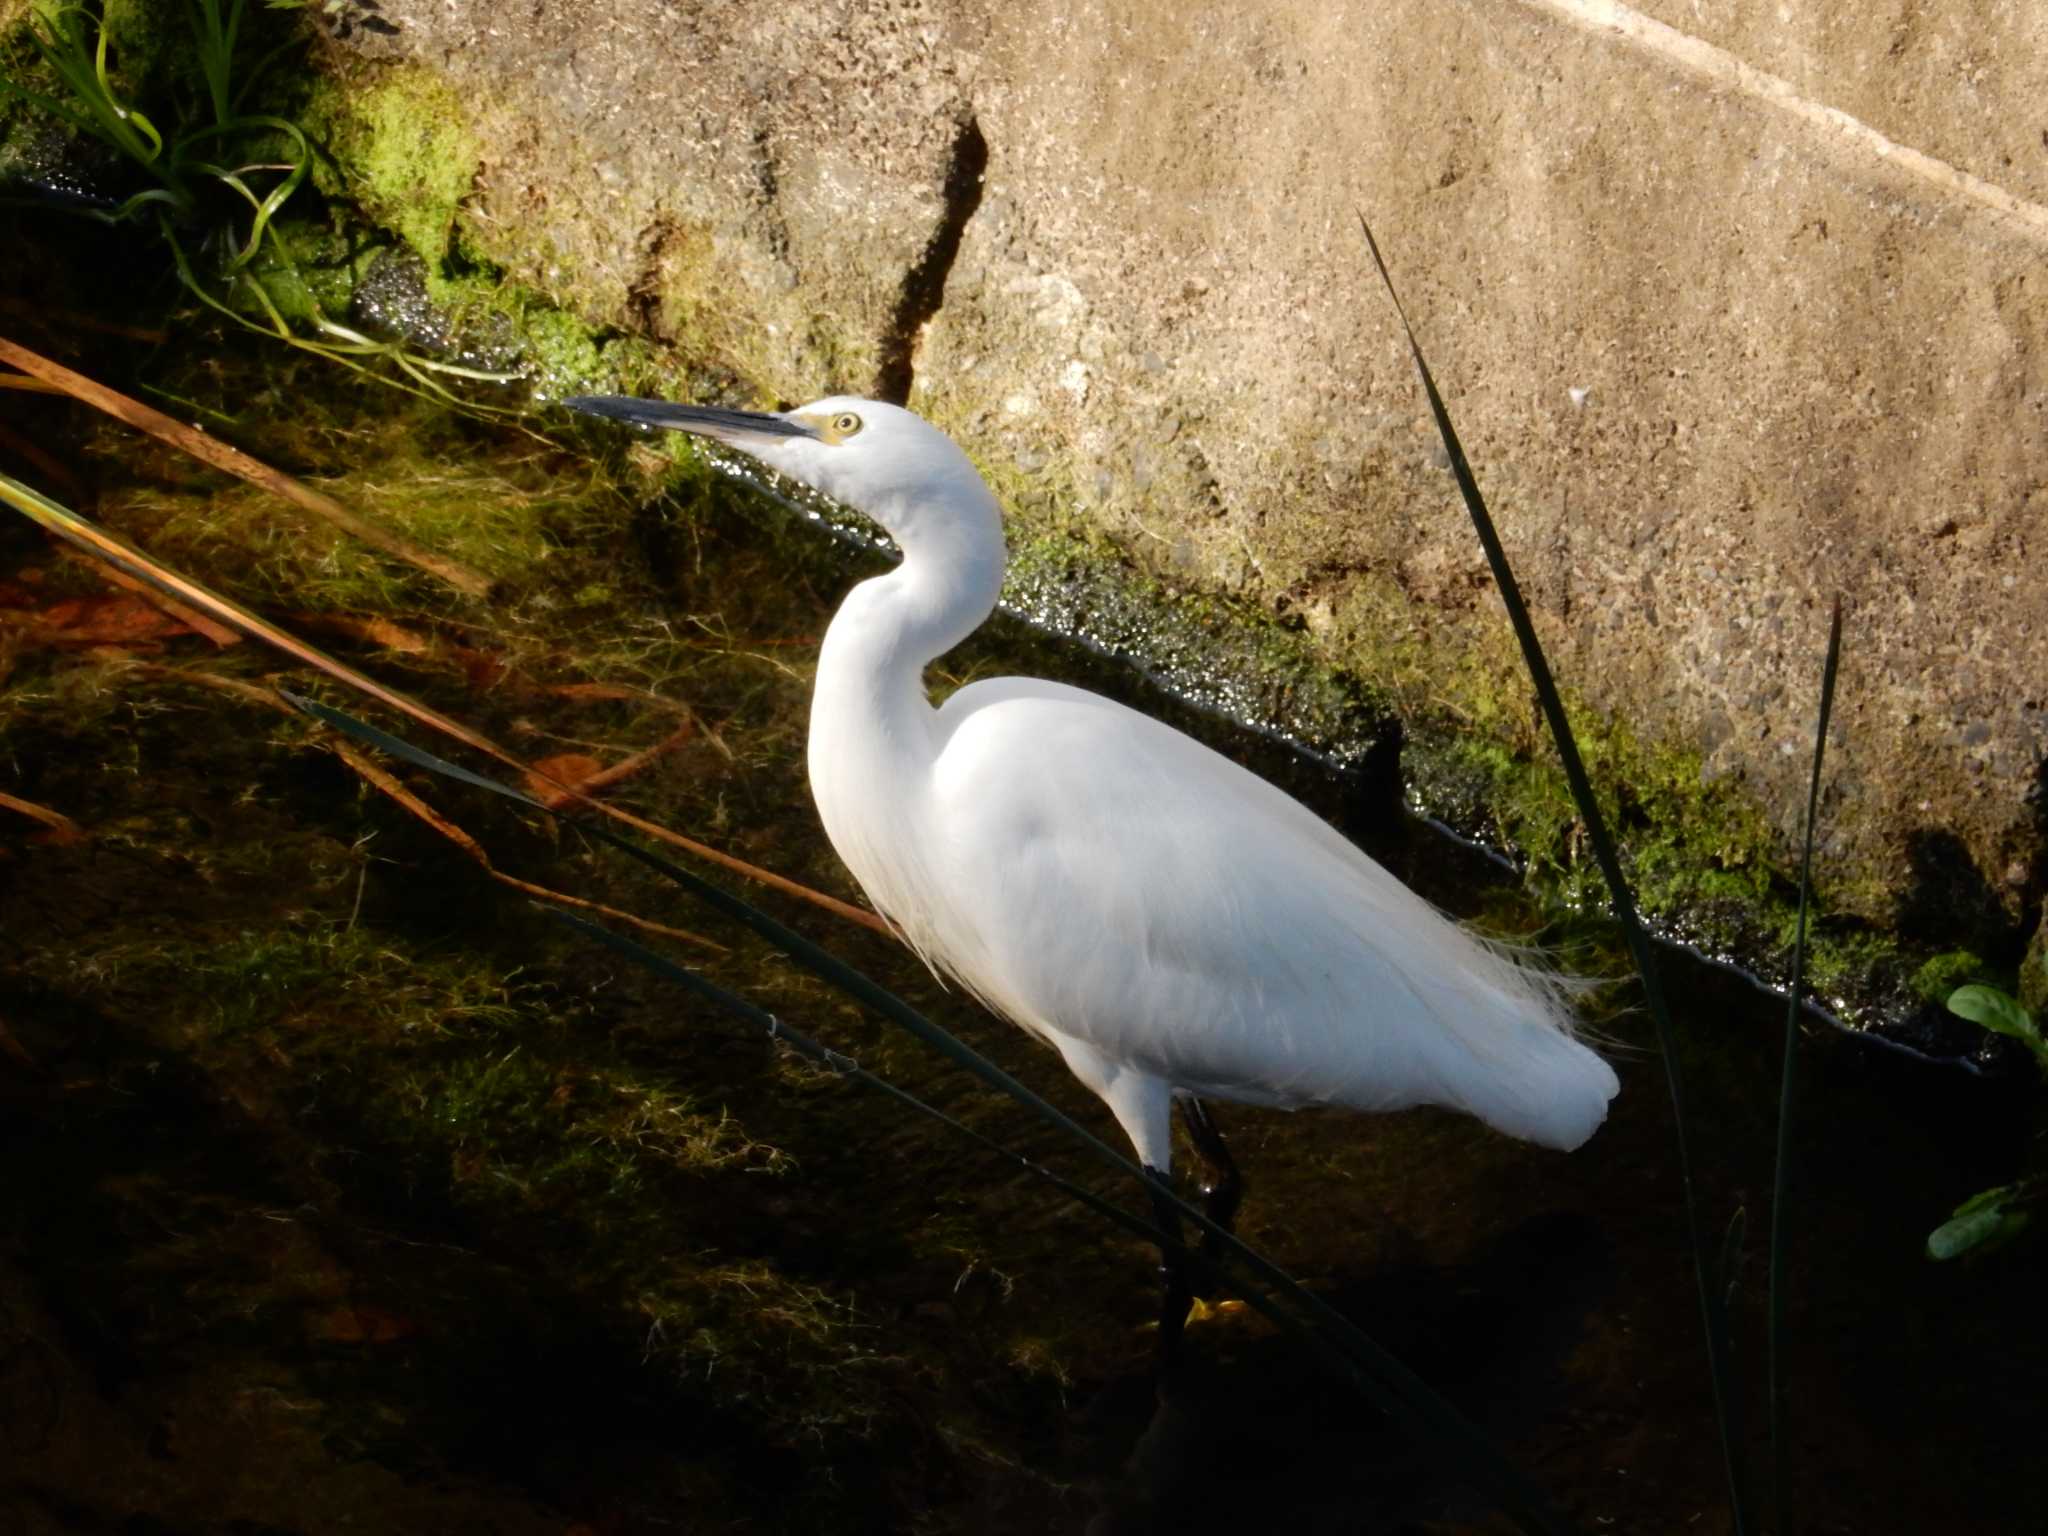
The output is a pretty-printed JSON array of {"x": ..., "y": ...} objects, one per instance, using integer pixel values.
[{"x": 874, "y": 734}]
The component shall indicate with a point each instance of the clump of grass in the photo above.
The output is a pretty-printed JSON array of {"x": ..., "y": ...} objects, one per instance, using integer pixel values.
[
  {"x": 217, "y": 175},
  {"x": 605, "y": 1130},
  {"x": 612, "y": 1171}
]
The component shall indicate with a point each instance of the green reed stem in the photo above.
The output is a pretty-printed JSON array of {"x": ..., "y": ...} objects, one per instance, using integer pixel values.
[{"x": 1713, "y": 1303}]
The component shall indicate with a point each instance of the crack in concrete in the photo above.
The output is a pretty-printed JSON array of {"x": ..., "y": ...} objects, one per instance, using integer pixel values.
[
  {"x": 924, "y": 285},
  {"x": 1705, "y": 61},
  {"x": 643, "y": 296}
]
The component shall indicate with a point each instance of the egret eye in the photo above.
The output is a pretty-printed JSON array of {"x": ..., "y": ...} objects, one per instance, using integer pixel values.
[{"x": 846, "y": 424}]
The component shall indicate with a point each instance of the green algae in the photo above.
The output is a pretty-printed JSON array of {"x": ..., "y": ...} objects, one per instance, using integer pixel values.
[
  {"x": 1939, "y": 975},
  {"x": 505, "y": 520}
]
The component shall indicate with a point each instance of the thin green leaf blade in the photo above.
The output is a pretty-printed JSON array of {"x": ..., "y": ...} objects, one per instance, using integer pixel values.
[
  {"x": 403, "y": 750},
  {"x": 1720, "y": 1355},
  {"x": 1779, "y": 1411}
]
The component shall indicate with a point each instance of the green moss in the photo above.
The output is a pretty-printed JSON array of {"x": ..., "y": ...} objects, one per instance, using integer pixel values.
[
  {"x": 1942, "y": 974},
  {"x": 407, "y": 152},
  {"x": 2032, "y": 989},
  {"x": 309, "y": 271},
  {"x": 686, "y": 304}
]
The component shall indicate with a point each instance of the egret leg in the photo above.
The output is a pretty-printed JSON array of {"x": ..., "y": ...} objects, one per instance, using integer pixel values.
[
  {"x": 1222, "y": 1188},
  {"x": 1176, "y": 1295}
]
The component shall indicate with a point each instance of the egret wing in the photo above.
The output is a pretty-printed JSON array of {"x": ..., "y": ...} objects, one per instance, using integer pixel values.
[{"x": 1116, "y": 882}]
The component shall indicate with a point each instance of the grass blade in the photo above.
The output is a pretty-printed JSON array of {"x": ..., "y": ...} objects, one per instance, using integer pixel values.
[
  {"x": 1720, "y": 1355},
  {"x": 1378, "y": 1375},
  {"x": 1788, "y": 1080}
]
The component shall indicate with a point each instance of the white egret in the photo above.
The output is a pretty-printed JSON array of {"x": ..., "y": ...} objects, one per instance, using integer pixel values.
[{"x": 1173, "y": 925}]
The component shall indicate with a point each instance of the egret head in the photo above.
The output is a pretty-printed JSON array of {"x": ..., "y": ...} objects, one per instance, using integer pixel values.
[{"x": 878, "y": 459}]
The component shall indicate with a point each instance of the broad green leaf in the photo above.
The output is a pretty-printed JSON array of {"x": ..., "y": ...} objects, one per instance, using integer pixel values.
[{"x": 1995, "y": 1011}]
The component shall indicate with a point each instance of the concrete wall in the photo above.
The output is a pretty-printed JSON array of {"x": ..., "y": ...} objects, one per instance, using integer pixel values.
[{"x": 1738, "y": 305}]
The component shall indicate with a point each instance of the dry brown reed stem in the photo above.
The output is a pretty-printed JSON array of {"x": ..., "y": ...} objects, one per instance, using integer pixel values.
[
  {"x": 624, "y": 768},
  {"x": 567, "y": 793},
  {"x": 210, "y": 450},
  {"x": 383, "y": 781},
  {"x": 103, "y": 544},
  {"x": 379, "y": 777},
  {"x": 65, "y": 829}
]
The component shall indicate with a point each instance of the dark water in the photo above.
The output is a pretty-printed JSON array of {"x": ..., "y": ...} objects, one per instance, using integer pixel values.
[{"x": 303, "y": 1228}]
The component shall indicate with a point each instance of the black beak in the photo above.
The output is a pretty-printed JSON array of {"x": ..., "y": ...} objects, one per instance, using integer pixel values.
[{"x": 700, "y": 420}]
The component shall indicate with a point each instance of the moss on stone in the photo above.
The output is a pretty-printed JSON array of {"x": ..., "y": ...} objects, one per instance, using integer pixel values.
[
  {"x": 1941, "y": 974},
  {"x": 407, "y": 152},
  {"x": 562, "y": 354}
]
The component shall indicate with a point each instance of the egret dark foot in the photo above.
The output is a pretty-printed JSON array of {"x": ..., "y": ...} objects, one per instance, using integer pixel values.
[{"x": 1222, "y": 1189}]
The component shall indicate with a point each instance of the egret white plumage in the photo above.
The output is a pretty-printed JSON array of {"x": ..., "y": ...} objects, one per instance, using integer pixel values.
[{"x": 1172, "y": 924}]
